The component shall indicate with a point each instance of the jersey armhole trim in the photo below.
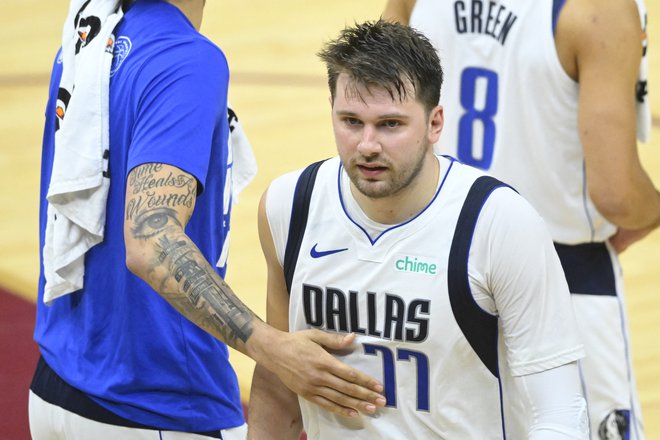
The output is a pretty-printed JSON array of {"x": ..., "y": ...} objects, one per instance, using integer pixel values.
[
  {"x": 479, "y": 327},
  {"x": 299, "y": 214}
]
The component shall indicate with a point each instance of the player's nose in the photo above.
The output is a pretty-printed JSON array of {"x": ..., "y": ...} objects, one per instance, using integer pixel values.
[{"x": 369, "y": 143}]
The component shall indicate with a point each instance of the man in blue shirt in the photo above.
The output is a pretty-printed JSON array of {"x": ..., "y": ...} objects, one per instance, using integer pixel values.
[{"x": 140, "y": 349}]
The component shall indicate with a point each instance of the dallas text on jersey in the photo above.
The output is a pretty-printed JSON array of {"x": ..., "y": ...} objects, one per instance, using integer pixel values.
[
  {"x": 482, "y": 17},
  {"x": 333, "y": 309}
]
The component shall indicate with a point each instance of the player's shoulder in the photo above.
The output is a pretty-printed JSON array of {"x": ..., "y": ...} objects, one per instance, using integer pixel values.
[
  {"x": 190, "y": 50},
  {"x": 287, "y": 182},
  {"x": 278, "y": 200},
  {"x": 510, "y": 214},
  {"x": 157, "y": 34},
  {"x": 583, "y": 17},
  {"x": 284, "y": 183},
  {"x": 502, "y": 202},
  {"x": 468, "y": 175}
]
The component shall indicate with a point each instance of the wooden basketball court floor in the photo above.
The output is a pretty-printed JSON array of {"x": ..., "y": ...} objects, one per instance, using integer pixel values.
[{"x": 278, "y": 89}]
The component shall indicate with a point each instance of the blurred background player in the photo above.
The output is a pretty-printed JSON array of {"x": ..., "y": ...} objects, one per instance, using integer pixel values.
[{"x": 548, "y": 96}]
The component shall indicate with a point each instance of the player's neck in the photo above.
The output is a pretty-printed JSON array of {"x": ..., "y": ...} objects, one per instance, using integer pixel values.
[{"x": 193, "y": 9}]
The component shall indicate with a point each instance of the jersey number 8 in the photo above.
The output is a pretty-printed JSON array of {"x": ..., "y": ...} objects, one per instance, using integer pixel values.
[{"x": 475, "y": 118}]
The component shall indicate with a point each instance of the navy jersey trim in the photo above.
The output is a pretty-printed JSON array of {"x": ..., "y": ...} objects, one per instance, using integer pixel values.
[
  {"x": 299, "y": 214},
  {"x": 556, "y": 9},
  {"x": 50, "y": 387},
  {"x": 588, "y": 268},
  {"x": 479, "y": 327},
  {"x": 360, "y": 227}
]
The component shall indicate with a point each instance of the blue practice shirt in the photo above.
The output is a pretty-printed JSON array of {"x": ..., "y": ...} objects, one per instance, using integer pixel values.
[{"x": 116, "y": 339}]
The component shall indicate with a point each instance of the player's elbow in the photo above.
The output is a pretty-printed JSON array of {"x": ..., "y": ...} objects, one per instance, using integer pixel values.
[
  {"x": 137, "y": 254},
  {"x": 617, "y": 207},
  {"x": 136, "y": 260},
  {"x": 148, "y": 255}
]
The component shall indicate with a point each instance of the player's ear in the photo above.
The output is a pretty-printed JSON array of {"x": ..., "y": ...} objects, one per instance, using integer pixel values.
[{"x": 436, "y": 122}]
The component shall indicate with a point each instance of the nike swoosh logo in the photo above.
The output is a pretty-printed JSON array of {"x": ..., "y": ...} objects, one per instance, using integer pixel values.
[{"x": 318, "y": 254}]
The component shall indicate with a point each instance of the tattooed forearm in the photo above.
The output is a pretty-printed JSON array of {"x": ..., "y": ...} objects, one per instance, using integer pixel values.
[
  {"x": 226, "y": 314},
  {"x": 159, "y": 202}
]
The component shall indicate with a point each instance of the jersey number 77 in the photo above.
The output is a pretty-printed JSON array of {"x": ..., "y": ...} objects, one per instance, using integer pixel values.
[{"x": 390, "y": 359}]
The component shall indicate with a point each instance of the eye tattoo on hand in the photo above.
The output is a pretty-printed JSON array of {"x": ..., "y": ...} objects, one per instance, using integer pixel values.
[{"x": 153, "y": 222}]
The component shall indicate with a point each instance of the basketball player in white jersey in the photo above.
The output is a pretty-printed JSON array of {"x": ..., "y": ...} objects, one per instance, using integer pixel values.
[
  {"x": 542, "y": 96},
  {"x": 448, "y": 277}
]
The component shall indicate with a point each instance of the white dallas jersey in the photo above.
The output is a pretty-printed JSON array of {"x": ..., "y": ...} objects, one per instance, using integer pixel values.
[
  {"x": 511, "y": 109},
  {"x": 390, "y": 287}
]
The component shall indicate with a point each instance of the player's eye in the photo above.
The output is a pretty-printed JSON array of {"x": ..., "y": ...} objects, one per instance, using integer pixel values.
[
  {"x": 352, "y": 121},
  {"x": 391, "y": 123}
]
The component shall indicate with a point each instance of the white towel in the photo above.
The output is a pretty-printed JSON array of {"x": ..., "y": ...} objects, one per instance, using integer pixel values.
[
  {"x": 644, "y": 117},
  {"x": 79, "y": 183},
  {"x": 244, "y": 166}
]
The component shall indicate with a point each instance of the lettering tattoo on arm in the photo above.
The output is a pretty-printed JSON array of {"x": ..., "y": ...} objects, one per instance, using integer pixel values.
[
  {"x": 160, "y": 200},
  {"x": 155, "y": 196}
]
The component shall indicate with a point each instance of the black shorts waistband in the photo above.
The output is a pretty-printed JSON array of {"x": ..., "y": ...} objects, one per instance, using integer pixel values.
[{"x": 49, "y": 386}]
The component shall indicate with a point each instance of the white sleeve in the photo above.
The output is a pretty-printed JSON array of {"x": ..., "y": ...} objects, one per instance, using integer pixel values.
[
  {"x": 513, "y": 261},
  {"x": 559, "y": 411}
]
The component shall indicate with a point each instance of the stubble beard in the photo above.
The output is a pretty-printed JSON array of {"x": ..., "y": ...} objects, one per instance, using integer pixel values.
[{"x": 397, "y": 182}]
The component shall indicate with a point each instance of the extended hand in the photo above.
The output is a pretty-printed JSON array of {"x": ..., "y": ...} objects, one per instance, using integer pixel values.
[{"x": 303, "y": 365}]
